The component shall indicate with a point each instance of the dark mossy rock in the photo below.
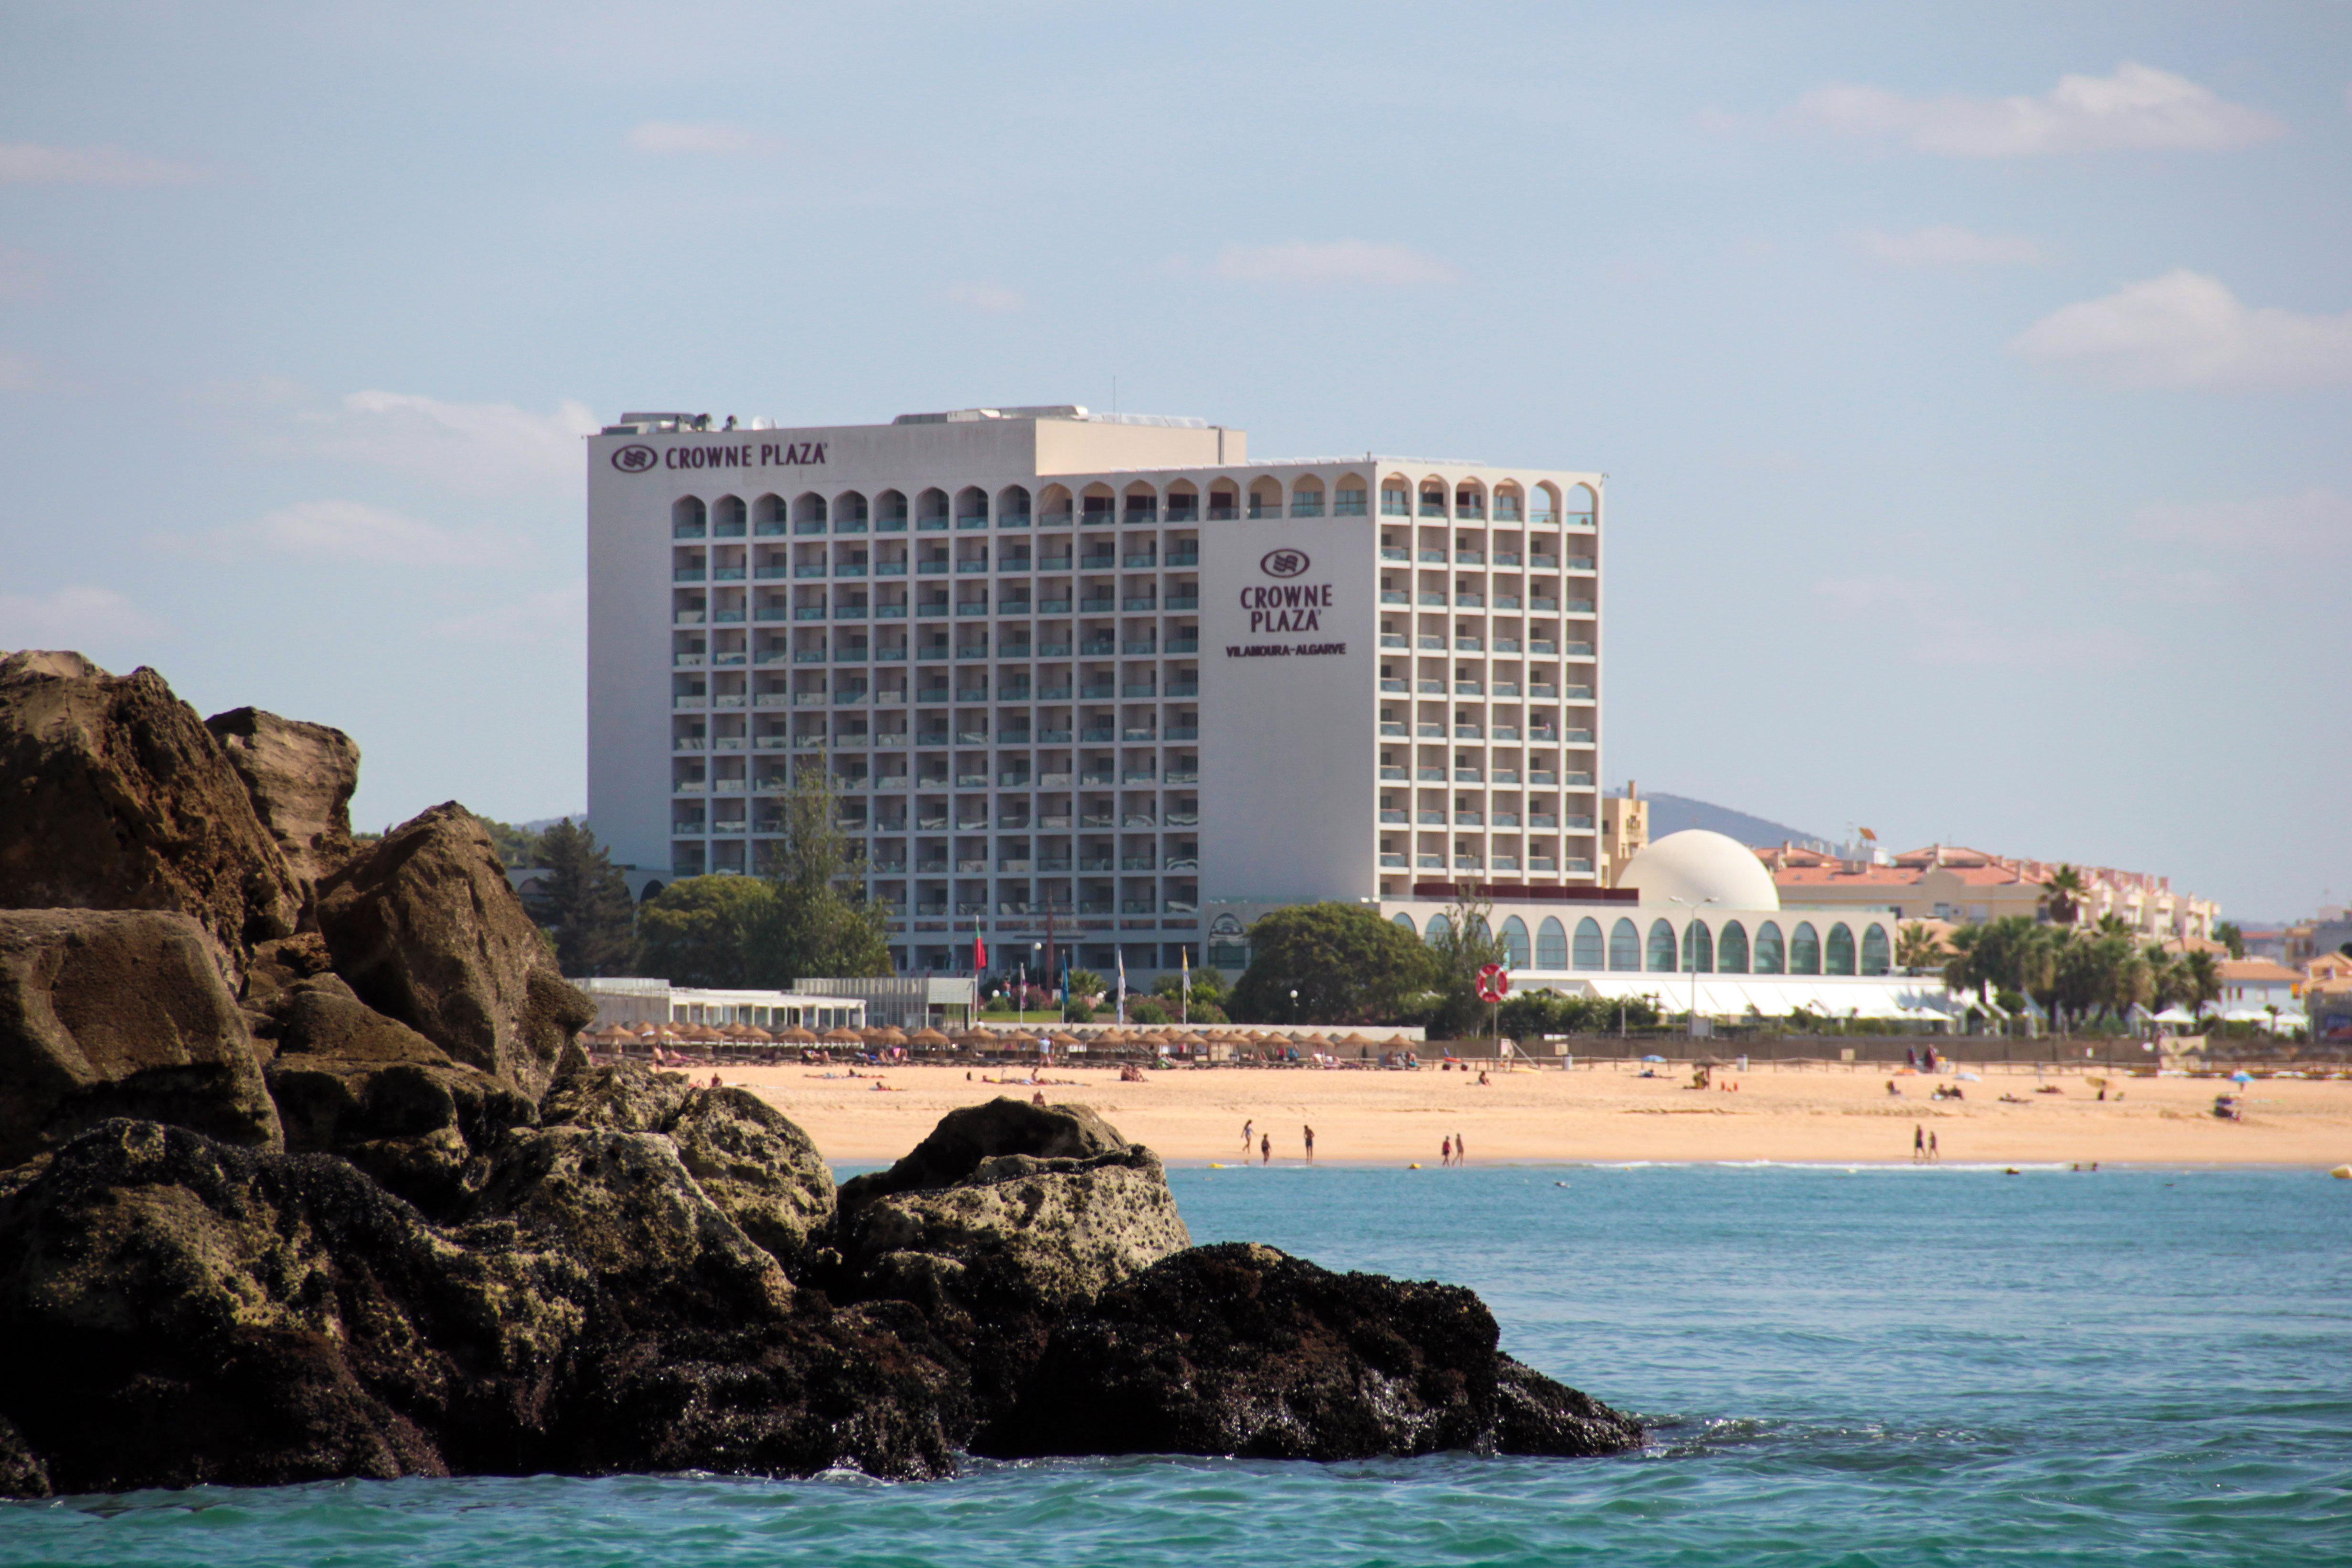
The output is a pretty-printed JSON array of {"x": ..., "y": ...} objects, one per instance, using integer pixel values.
[
  {"x": 1243, "y": 1350},
  {"x": 121, "y": 1013},
  {"x": 971, "y": 1134},
  {"x": 760, "y": 1169},
  {"x": 349, "y": 1080},
  {"x": 427, "y": 929}
]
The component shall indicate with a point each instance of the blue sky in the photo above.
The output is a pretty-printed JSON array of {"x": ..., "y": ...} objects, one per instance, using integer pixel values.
[{"x": 1974, "y": 381}]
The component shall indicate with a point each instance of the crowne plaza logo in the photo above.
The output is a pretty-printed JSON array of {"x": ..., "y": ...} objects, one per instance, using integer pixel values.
[{"x": 1284, "y": 562}]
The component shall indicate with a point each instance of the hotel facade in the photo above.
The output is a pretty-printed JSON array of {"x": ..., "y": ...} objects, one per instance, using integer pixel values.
[{"x": 1103, "y": 670}]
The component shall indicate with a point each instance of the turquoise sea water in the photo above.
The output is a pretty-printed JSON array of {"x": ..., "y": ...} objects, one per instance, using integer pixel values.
[{"x": 1905, "y": 1365}]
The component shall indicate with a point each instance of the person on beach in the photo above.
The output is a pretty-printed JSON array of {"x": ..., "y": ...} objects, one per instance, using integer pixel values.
[
  {"x": 1460, "y": 1150},
  {"x": 1918, "y": 1143},
  {"x": 1445, "y": 1152},
  {"x": 1245, "y": 1137},
  {"x": 1265, "y": 1149},
  {"x": 1310, "y": 1143},
  {"x": 1935, "y": 1155},
  {"x": 1897, "y": 1093}
]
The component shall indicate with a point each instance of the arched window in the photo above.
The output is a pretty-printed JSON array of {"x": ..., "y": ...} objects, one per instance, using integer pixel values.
[
  {"x": 1698, "y": 948},
  {"x": 1551, "y": 943},
  {"x": 1589, "y": 952},
  {"x": 729, "y": 518},
  {"x": 1514, "y": 943},
  {"x": 688, "y": 519},
  {"x": 1841, "y": 950},
  {"x": 1805, "y": 949},
  {"x": 1624, "y": 946},
  {"x": 1306, "y": 497},
  {"x": 1406, "y": 921},
  {"x": 1439, "y": 927},
  {"x": 1875, "y": 958},
  {"x": 1661, "y": 947},
  {"x": 1731, "y": 949},
  {"x": 1769, "y": 958}
]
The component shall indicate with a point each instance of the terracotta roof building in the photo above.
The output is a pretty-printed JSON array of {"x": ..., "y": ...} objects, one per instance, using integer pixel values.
[{"x": 1955, "y": 882}]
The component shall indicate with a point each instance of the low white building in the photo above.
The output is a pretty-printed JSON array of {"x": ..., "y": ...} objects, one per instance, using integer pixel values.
[
  {"x": 633, "y": 1001},
  {"x": 1697, "y": 919}
]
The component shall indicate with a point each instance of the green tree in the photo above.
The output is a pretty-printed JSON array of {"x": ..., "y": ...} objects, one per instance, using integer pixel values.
[
  {"x": 1208, "y": 986},
  {"x": 1086, "y": 983},
  {"x": 2226, "y": 933},
  {"x": 1148, "y": 1010},
  {"x": 2198, "y": 984},
  {"x": 819, "y": 920},
  {"x": 585, "y": 904},
  {"x": 1918, "y": 947},
  {"x": 2062, "y": 895},
  {"x": 1465, "y": 945},
  {"x": 518, "y": 848},
  {"x": 1347, "y": 963},
  {"x": 703, "y": 930}
]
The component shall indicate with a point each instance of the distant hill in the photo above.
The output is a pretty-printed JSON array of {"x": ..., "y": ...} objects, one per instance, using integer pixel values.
[{"x": 1673, "y": 813}]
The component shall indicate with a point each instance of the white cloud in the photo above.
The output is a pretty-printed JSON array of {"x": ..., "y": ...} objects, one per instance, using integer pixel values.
[
  {"x": 19, "y": 372},
  {"x": 990, "y": 297},
  {"x": 2186, "y": 330},
  {"x": 79, "y": 617},
  {"x": 2139, "y": 106},
  {"x": 355, "y": 533},
  {"x": 1947, "y": 244},
  {"x": 29, "y": 163},
  {"x": 706, "y": 138},
  {"x": 476, "y": 448},
  {"x": 2316, "y": 524},
  {"x": 552, "y": 615},
  {"x": 1313, "y": 263}
]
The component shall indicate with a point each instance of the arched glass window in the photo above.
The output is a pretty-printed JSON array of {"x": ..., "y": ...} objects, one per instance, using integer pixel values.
[
  {"x": 1589, "y": 952},
  {"x": 1875, "y": 958},
  {"x": 1624, "y": 946},
  {"x": 1406, "y": 921},
  {"x": 1698, "y": 948},
  {"x": 1661, "y": 947},
  {"x": 1805, "y": 949},
  {"x": 1551, "y": 943},
  {"x": 1770, "y": 959},
  {"x": 1438, "y": 928},
  {"x": 1731, "y": 949},
  {"x": 1514, "y": 943},
  {"x": 1841, "y": 950}
]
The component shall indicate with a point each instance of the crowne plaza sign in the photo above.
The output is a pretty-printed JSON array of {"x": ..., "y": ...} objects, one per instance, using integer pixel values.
[{"x": 638, "y": 458}]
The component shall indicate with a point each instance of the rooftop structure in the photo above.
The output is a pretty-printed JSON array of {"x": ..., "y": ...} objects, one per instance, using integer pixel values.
[{"x": 1951, "y": 881}]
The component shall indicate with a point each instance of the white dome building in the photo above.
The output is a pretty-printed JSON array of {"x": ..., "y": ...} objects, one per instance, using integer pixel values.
[{"x": 1696, "y": 866}]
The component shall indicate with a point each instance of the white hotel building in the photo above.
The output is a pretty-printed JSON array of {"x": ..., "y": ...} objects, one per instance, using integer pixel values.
[{"x": 1101, "y": 666}]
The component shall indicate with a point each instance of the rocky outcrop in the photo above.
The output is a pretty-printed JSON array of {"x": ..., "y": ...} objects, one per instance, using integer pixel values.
[
  {"x": 300, "y": 778},
  {"x": 113, "y": 795},
  {"x": 349, "y": 1080},
  {"x": 426, "y": 928},
  {"x": 1009, "y": 1216},
  {"x": 762, "y": 1172},
  {"x": 120, "y": 1014},
  {"x": 1242, "y": 1350},
  {"x": 180, "y": 1311},
  {"x": 625, "y": 1097}
]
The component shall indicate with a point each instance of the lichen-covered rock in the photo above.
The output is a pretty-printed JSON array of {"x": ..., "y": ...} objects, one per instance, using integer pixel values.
[
  {"x": 427, "y": 929},
  {"x": 623, "y": 1205},
  {"x": 1007, "y": 1216},
  {"x": 179, "y": 1311},
  {"x": 113, "y": 795},
  {"x": 350, "y": 1082},
  {"x": 1243, "y": 1350},
  {"x": 762, "y": 1171},
  {"x": 625, "y": 1097},
  {"x": 971, "y": 1134},
  {"x": 121, "y": 1013},
  {"x": 300, "y": 778}
]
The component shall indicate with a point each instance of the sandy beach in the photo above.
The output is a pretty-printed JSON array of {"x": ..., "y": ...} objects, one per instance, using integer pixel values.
[{"x": 1831, "y": 1115}]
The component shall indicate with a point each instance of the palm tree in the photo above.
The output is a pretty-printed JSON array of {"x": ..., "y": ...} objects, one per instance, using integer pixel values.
[
  {"x": 2198, "y": 980},
  {"x": 1917, "y": 948},
  {"x": 1964, "y": 969},
  {"x": 2163, "y": 976},
  {"x": 2062, "y": 894}
]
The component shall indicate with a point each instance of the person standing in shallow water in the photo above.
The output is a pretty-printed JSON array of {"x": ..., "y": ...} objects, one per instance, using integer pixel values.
[
  {"x": 1918, "y": 1143},
  {"x": 1446, "y": 1152},
  {"x": 1310, "y": 1144},
  {"x": 1265, "y": 1149},
  {"x": 1935, "y": 1155}
]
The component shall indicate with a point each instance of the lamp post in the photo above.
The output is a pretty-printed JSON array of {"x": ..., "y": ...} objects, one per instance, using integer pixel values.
[
  {"x": 1294, "y": 1006},
  {"x": 1690, "y": 953}
]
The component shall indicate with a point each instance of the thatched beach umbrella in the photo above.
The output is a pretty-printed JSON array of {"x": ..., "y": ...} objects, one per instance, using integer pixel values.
[
  {"x": 929, "y": 1037},
  {"x": 798, "y": 1036},
  {"x": 886, "y": 1036},
  {"x": 841, "y": 1037}
]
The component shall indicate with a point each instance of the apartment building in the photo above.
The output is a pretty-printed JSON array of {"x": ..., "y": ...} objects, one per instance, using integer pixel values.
[
  {"x": 1096, "y": 671},
  {"x": 1953, "y": 883}
]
